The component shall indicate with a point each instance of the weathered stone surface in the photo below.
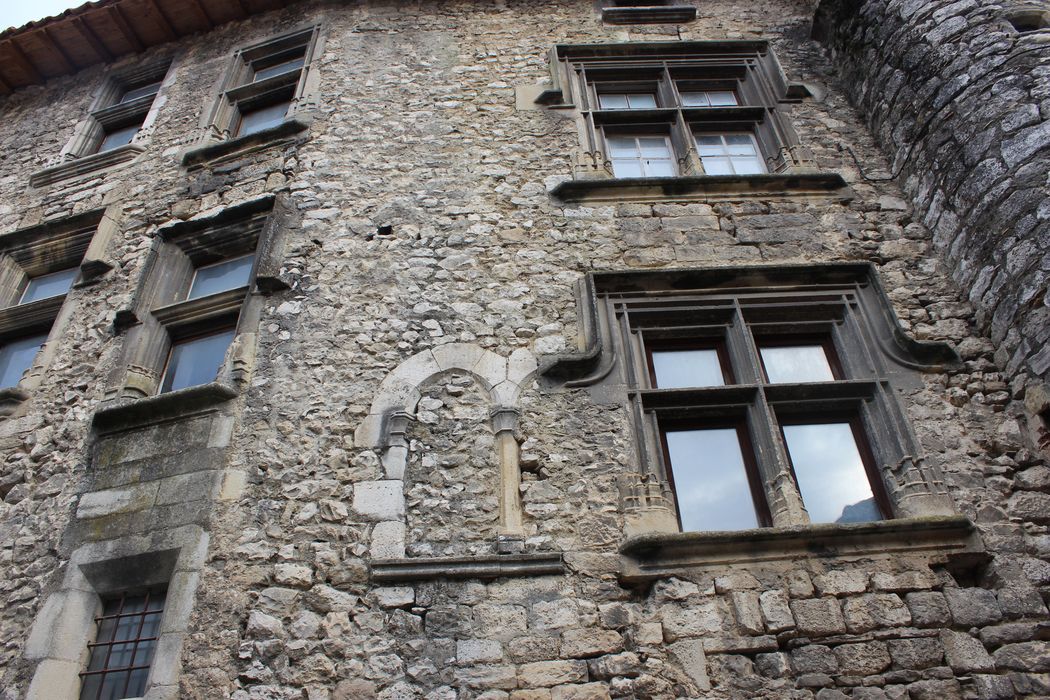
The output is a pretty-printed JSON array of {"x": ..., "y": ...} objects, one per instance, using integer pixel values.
[
  {"x": 862, "y": 659},
  {"x": 775, "y": 611},
  {"x": 875, "y": 610},
  {"x": 973, "y": 606},
  {"x": 965, "y": 654},
  {"x": 928, "y": 609},
  {"x": 818, "y": 616},
  {"x": 689, "y": 653},
  {"x": 917, "y": 653},
  {"x": 1030, "y": 657},
  {"x": 585, "y": 643},
  {"x": 550, "y": 673}
]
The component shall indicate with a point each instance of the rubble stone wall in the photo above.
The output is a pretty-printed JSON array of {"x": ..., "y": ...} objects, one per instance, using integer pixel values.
[{"x": 418, "y": 129}]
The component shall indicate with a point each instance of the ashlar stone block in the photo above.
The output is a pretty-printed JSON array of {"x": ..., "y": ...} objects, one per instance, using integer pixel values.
[
  {"x": 965, "y": 654},
  {"x": 818, "y": 616},
  {"x": 586, "y": 643},
  {"x": 873, "y": 611},
  {"x": 775, "y": 611},
  {"x": 545, "y": 674},
  {"x": 973, "y": 607},
  {"x": 379, "y": 500}
]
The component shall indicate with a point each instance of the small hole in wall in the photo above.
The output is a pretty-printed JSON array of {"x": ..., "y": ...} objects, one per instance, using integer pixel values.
[
  {"x": 384, "y": 230},
  {"x": 1029, "y": 20}
]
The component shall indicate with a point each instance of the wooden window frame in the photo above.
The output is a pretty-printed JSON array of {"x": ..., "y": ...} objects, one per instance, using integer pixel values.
[{"x": 755, "y": 482}]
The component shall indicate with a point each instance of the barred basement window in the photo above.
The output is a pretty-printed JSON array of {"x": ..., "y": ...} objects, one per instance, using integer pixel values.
[
  {"x": 266, "y": 84},
  {"x": 717, "y": 103},
  {"x": 121, "y": 655},
  {"x": 762, "y": 396}
]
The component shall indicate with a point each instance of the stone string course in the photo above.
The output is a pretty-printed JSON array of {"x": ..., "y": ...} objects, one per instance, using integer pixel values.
[{"x": 418, "y": 130}]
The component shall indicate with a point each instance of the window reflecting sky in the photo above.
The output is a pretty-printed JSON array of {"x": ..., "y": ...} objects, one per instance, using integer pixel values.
[
  {"x": 47, "y": 286},
  {"x": 220, "y": 277},
  {"x": 683, "y": 368},
  {"x": 710, "y": 480},
  {"x": 797, "y": 363},
  {"x": 831, "y": 475},
  {"x": 195, "y": 362}
]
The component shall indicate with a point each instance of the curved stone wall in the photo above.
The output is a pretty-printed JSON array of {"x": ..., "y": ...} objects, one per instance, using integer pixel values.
[{"x": 960, "y": 101}]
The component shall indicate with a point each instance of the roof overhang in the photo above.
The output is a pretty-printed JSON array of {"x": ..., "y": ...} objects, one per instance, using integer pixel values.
[{"x": 101, "y": 31}]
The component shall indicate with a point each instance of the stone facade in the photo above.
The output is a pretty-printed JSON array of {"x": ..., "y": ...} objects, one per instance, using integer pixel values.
[{"x": 402, "y": 483}]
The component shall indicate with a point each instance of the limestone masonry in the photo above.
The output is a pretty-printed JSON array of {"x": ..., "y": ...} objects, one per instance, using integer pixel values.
[{"x": 526, "y": 350}]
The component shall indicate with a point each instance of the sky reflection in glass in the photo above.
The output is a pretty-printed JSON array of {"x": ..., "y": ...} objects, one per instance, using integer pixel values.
[
  {"x": 675, "y": 369},
  {"x": 796, "y": 363},
  {"x": 830, "y": 473},
  {"x": 710, "y": 479}
]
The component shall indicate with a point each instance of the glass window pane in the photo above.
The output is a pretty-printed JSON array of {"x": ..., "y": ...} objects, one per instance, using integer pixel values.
[
  {"x": 654, "y": 146},
  {"x": 98, "y": 657},
  {"x": 121, "y": 653},
  {"x": 156, "y": 601},
  {"x": 710, "y": 480},
  {"x": 740, "y": 145},
  {"x": 796, "y": 363},
  {"x": 127, "y": 628},
  {"x": 120, "y": 137},
  {"x": 220, "y": 277},
  {"x": 627, "y": 168},
  {"x": 262, "y": 118},
  {"x": 89, "y": 687},
  {"x": 695, "y": 99},
  {"x": 716, "y": 166},
  {"x": 659, "y": 168},
  {"x": 620, "y": 146},
  {"x": 150, "y": 625},
  {"x": 195, "y": 362},
  {"x": 611, "y": 101},
  {"x": 722, "y": 98},
  {"x": 113, "y": 686},
  {"x": 144, "y": 652},
  {"x": 830, "y": 473},
  {"x": 137, "y": 684},
  {"x": 138, "y": 92},
  {"x": 710, "y": 145},
  {"x": 278, "y": 69},
  {"x": 683, "y": 368},
  {"x": 748, "y": 166},
  {"x": 51, "y": 285},
  {"x": 134, "y": 604},
  {"x": 16, "y": 357},
  {"x": 641, "y": 100}
]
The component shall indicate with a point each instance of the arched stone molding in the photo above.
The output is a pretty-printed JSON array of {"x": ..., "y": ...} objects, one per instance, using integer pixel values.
[{"x": 385, "y": 427}]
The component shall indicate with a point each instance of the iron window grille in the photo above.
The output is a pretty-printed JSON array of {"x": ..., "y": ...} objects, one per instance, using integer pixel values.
[
  {"x": 680, "y": 90},
  {"x": 122, "y": 653},
  {"x": 650, "y": 330}
]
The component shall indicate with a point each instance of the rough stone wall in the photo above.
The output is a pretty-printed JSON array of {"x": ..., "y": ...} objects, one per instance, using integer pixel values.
[
  {"x": 958, "y": 98},
  {"x": 419, "y": 131},
  {"x": 452, "y": 480}
]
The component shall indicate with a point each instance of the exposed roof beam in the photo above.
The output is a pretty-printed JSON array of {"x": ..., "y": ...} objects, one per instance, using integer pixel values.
[
  {"x": 92, "y": 39},
  {"x": 169, "y": 30},
  {"x": 126, "y": 29},
  {"x": 68, "y": 64},
  {"x": 24, "y": 62},
  {"x": 203, "y": 12}
]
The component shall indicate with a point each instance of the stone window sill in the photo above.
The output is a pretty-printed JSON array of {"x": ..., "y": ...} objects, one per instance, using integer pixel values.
[
  {"x": 659, "y": 14},
  {"x": 123, "y": 414},
  {"x": 700, "y": 188},
  {"x": 246, "y": 144},
  {"x": 481, "y": 567},
  {"x": 651, "y": 556},
  {"x": 85, "y": 165}
]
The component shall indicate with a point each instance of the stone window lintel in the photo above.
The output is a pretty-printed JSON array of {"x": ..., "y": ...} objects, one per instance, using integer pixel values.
[
  {"x": 479, "y": 567},
  {"x": 650, "y": 556},
  {"x": 124, "y": 414},
  {"x": 243, "y": 145},
  {"x": 702, "y": 188},
  {"x": 88, "y": 165},
  {"x": 646, "y": 14}
]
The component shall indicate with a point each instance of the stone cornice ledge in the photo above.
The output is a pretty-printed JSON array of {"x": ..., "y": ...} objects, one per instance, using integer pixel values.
[
  {"x": 649, "y": 14},
  {"x": 85, "y": 165},
  {"x": 483, "y": 567},
  {"x": 651, "y": 556},
  {"x": 246, "y": 144},
  {"x": 123, "y": 414},
  {"x": 701, "y": 188}
]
